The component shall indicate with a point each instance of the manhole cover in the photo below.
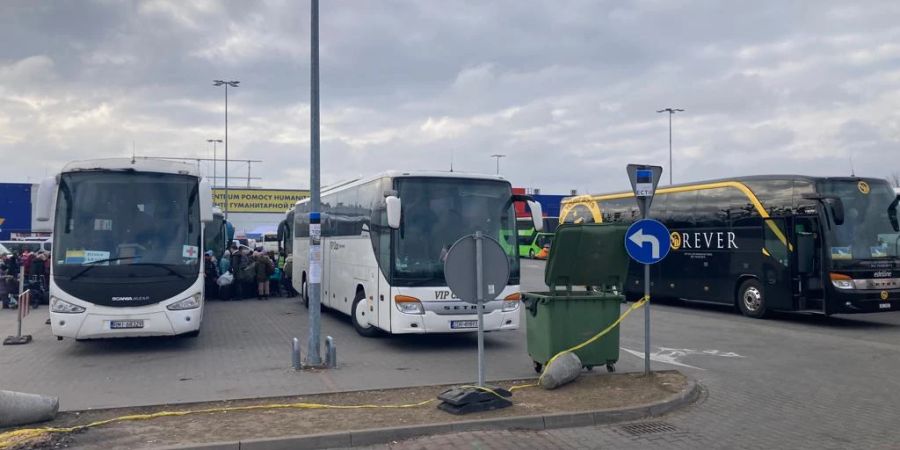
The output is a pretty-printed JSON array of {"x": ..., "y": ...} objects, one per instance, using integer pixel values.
[{"x": 639, "y": 429}]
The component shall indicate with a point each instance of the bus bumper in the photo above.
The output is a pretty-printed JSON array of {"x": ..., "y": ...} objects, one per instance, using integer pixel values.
[
  {"x": 431, "y": 322},
  {"x": 864, "y": 302},
  {"x": 97, "y": 321}
]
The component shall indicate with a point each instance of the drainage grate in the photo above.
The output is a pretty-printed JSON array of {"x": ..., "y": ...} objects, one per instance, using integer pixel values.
[{"x": 639, "y": 429}]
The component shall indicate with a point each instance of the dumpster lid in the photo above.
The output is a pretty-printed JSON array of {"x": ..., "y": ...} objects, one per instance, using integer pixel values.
[{"x": 590, "y": 254}]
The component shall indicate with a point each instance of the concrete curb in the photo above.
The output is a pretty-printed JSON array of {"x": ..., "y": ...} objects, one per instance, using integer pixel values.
[{"x": 384, "y": 435}]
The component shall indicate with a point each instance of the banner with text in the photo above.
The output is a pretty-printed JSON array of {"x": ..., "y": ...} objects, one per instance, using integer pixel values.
[{"x": 258, "y": 200}]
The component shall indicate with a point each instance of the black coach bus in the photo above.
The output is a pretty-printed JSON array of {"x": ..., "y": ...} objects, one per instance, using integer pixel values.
[{"x": 763, "y": 243}]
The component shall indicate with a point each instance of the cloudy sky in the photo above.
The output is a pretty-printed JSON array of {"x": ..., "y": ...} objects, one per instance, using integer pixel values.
[{"x": 568, "y": 90}]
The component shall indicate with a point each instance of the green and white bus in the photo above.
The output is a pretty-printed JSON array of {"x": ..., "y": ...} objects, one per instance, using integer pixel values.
[{"x": 531, "y": 242}]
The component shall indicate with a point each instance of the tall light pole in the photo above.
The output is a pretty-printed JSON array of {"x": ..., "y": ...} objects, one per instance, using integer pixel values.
[
  {"x": 313, "y": 357},
  {"x": 233, "y": 84},
  {"x": 671, "y": 111},
  {"x": 498, "y": 156},
  {"x": 215, "y": 173}
]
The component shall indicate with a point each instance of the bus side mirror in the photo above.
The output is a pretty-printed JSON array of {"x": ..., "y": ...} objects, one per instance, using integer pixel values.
[
  {"x": 393, "y": 211},
  {"x": 837, "y": 210},
  {"x": 45, "y": 199},
  {"x": 806, "y": 248},
  {"x": 206, "y": 203},
  {"x": 537, "y": 215},
  {"x": 892, "y": 213}
]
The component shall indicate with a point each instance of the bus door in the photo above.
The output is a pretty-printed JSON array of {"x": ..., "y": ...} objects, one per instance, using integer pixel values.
[
  {"x": 328, "y": 282},
  {"x": 807, "y": 258},
  {"x": 777, "y": 265}
]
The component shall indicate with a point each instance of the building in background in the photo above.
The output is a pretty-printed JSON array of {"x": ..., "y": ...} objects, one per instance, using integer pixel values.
[
  {"x": 16, "y": 219},
  {"x": 254, "y": 212},
  {"x": 549, "y": 202}
]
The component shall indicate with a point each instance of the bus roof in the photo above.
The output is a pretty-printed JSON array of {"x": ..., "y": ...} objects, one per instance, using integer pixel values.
[
  {"x": 408, "y": 174},
  {"x": 731, "y": 179},
  {"x": 139, "y": 164}
]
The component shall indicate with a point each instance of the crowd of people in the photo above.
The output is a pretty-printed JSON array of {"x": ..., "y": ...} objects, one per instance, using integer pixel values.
[
  {"x": 242, "y": 273},
  {"x": 36, "y": 269}
]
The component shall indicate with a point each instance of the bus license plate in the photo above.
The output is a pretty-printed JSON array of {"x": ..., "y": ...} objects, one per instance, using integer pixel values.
[
  {"x": 884, "y": 305},
  {"x": 119, "y": 324},
  {"x": 457, "y": 324}
]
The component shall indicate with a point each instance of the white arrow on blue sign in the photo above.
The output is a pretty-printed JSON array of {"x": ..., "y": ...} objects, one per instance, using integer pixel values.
[{"x": 647, "y": 241}]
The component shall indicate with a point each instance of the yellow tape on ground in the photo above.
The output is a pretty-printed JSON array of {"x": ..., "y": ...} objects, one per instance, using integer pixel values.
[{"x": 23, "y": 436}]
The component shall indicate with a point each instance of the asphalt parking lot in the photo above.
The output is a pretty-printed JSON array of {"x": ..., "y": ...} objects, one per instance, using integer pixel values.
[
  {"x": 794, "y": 380},
  {"x": 243, "y": 351}
]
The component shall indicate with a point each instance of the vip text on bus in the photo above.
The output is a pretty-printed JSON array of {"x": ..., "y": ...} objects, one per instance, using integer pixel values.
[
  {"x": 763, "y": 243},
  {"x": 384, "y": 239},
  {"x": 127, "y": 248}
]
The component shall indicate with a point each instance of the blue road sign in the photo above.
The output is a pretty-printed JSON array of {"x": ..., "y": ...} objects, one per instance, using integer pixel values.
[{"x": 647, "y": 241}]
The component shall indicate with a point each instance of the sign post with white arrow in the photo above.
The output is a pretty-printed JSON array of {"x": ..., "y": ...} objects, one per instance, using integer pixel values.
[{"x": 647, "y": 240}]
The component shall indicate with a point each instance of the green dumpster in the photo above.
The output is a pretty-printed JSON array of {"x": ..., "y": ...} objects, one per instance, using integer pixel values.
[{"x": 585, "y": 273}]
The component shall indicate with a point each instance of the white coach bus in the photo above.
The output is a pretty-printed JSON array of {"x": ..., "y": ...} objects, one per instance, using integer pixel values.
[
  {"x": 383, "y": 259},
  {"x": 127, "y": 250}
]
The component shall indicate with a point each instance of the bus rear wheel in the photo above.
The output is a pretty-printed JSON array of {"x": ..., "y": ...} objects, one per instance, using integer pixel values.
[
  {"x": 359, "y": 315},
  {"x": 531, "y": 254},
  {"x": 751, "y": 300}
]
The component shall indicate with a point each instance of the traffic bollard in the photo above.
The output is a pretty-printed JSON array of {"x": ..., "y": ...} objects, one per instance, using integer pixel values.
[
  {"x": 295, "y": 354},
  {"x": 330, "y": 353}
]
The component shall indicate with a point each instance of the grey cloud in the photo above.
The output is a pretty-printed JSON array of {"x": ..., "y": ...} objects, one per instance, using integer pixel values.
[{"x": 568, "y": 90}]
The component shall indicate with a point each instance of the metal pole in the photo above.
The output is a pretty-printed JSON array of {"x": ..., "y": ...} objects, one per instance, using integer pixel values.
[
  {"x": 312, "y": 353},
  {"x": 226, "y": 152},
  {"x": 498, "y": 165},
  {"x": 479, "y": 304},
  {"x": 248, "y": 173},
  {"x": 647, "y": 305},
  {"x": 670, "y": 148},
  {"x": 215, "y": 172},
  {"x": 21, "y": 308},
  {"x": 647, "y": 320}
]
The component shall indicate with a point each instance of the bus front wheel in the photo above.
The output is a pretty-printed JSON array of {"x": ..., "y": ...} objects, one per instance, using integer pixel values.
[
  {"x": 531, "y": 254},
  {"x": 359, "y": 315},
  {"x": 751, "y": 300}
]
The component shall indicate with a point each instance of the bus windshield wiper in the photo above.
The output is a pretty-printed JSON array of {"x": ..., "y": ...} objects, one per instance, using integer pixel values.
[
  {"x": 92, "y": 264},
  {"x": 164, "y": 266}
]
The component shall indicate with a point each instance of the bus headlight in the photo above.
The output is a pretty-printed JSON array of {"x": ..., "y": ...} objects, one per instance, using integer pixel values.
[
  {"x": 64, "y": 307},
  {"x": 511, "y": 302},
  {"x": 191, "y": 302},
  {"x": 409, "y": 305},
  {"x": 842, "y": 281}
]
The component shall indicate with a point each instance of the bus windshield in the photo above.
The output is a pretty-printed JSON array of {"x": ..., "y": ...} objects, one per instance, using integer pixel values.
[
  {"x": 437, "y": 212},
  {"x": 126, "y": 224},
  {"x": 867, "y": 232}
]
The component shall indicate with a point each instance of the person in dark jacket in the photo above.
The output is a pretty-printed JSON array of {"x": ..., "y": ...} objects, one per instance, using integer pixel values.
[
  {"x": 240, "y": 261},
  {"x": 211, "y": 274},
  {"x": 264, "y": 268}
]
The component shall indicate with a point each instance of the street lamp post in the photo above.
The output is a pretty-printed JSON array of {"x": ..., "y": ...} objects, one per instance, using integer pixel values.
[
  {"x": 215, "y": 172},
  {"x": 498, "y": 156},
  {"x": 313, "y": 358},
  {"x": 671, "y": 111},
  {"x": 226, "y": 84}
]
